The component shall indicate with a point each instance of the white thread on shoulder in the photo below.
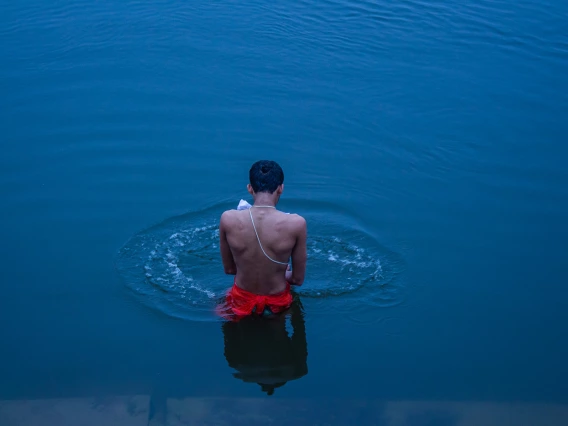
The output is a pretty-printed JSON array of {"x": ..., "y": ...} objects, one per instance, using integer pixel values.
[{"x": 260, "y": 244}]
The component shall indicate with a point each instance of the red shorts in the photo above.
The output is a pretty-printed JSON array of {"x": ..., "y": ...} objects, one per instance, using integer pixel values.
[{"x": 241, "y": 303}]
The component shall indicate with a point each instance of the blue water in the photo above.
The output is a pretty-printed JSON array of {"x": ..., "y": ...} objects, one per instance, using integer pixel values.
[{"x": 431, "y": 136}]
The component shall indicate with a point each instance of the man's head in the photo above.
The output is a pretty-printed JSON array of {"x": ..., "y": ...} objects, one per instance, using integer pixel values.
[{"x": 266, "y": 176}]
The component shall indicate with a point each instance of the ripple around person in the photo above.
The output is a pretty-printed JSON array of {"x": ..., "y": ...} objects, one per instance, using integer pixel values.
[{"x": 175, "y": 266}]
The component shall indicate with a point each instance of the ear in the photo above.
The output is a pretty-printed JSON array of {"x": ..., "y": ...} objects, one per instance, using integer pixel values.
[
  {"x": 250, "y": 190},
  {"x": 280, "y": 189}
]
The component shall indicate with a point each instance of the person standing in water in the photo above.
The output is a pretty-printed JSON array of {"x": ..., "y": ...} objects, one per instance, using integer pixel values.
[{"x": 256, "y": 245}]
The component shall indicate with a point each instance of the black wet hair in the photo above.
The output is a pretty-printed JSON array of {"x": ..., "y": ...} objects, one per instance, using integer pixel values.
[{"x": 266, "y": 176}]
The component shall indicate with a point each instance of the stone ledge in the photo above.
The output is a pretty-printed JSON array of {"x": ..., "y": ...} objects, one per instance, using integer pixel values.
[
  {"x": 275, "y": 411},
  {"x": 111, "y": 411},
  {"x": 135, "y": 411}
]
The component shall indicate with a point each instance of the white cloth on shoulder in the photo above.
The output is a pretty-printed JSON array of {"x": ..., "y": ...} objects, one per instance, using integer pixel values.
[{"x": 245, "y": 205}]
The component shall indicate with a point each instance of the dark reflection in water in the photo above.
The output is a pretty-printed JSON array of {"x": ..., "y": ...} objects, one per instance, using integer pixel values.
[{"x": 262, "y": 351}]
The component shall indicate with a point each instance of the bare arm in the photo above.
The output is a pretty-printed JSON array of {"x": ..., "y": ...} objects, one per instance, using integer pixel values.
[
  {"x": 226, "y": 254},
  {"x": 299, "y": 256}
]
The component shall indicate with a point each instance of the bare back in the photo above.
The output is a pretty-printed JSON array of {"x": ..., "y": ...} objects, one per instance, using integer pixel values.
[{"x": 283, "y": 236}]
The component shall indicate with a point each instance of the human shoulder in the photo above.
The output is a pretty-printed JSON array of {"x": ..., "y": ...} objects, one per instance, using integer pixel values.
[
  {"x": 228, "y": 217},
  {"x": 297, "y": 221}
]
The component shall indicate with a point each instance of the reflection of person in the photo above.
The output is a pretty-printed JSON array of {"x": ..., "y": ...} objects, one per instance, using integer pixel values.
[
  {"x": 256, "y": 245},
  {"x": 262, "y": 352}
]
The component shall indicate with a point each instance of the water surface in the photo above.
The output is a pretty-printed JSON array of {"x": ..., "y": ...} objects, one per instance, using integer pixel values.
[{"x": 429, "y": 135}]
